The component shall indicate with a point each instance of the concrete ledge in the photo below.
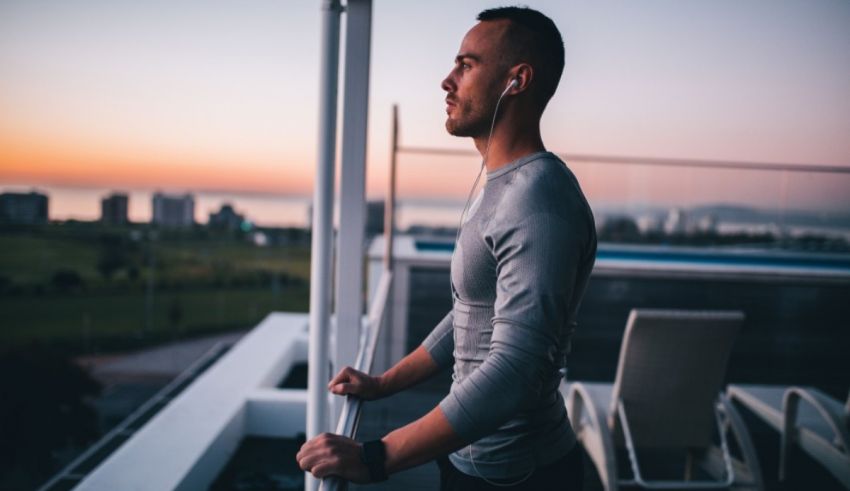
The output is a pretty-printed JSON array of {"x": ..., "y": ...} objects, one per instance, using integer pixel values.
[
  {"x": 279, "y": 413},
  {"x": 187, "y": 443}
]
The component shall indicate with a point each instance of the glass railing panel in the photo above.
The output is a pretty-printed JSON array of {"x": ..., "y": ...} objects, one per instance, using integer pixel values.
[{"x": 693, "y": 203}]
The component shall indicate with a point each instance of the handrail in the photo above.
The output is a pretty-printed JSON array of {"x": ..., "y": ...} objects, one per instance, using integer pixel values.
[
  {"x": 350, "y": 415},
  {"x": 669, "y": 162}
]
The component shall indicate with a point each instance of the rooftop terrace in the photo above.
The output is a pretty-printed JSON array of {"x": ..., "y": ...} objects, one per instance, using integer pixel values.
[{"x": 235, "y": 424}]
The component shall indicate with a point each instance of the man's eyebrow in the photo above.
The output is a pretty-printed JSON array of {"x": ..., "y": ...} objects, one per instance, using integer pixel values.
[{"x": 463, "y": 56}]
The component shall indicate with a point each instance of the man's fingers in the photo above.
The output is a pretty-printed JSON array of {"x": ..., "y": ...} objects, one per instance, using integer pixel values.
[
  {"x": 304, "y": 457},
  {"x": 309, "y": 458},
  {"x": 343, "y": 375},
  {"x": 306, "y": 462},
  {"x": 331, "y": 455},
  {"x": 343, "y": 389},
  {"x": 324, "y": 469},
  {"x": 338, "y": 378},
  {"x": 310, "y": 449}
]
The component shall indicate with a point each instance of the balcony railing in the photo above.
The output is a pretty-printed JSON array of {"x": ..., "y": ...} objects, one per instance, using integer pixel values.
[{"x": 350, "y": 415}]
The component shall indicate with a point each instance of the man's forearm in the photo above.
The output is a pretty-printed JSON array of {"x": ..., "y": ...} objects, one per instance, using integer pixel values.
[
  {"x": 421, "y": 441},
  {"x": 412, "y": 369}
]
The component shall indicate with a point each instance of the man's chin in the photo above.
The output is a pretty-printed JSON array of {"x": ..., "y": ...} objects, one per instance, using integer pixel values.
[{"x": 454, "y": 129}]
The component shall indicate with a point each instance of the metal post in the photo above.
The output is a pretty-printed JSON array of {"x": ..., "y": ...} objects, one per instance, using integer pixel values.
[
  {"x": 389, "y": 207},
  {"x": 352, "y": 213},
  {"x": 322, "y": 239}
]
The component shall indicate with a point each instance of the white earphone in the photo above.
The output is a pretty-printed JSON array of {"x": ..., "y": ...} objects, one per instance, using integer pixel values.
[{"x": 513, "y": 83}]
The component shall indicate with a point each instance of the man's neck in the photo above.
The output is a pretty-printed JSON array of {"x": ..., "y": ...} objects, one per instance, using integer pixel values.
[{"x": 505, "y": 147}]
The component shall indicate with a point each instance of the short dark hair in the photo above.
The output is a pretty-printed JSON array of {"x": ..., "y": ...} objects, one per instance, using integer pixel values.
[{"x": 536, "y": 41}]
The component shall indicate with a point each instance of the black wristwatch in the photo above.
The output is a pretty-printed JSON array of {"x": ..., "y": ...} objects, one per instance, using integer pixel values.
[{"x": 374, "y": 455}]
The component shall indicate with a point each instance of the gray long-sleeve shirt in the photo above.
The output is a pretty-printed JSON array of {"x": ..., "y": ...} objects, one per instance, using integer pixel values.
[{"x": 519, "y": 271}]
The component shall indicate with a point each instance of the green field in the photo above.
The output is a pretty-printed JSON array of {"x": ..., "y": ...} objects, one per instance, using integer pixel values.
[{"x": 175, "y": 287}]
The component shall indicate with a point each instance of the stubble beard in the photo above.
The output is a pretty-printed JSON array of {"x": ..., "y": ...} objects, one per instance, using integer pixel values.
[{"x": 468, "y": 121}]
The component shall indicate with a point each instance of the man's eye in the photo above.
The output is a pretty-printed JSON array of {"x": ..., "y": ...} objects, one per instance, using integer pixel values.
[{"x": 465, "y": 66}]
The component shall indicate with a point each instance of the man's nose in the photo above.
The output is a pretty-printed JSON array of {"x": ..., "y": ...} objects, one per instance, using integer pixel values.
[{"x": 448, "y": 84}]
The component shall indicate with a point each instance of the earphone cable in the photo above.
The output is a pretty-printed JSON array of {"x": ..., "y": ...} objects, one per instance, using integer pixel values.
[
  {"x": 457, "y": 238},
  {"x": 483, "y": 162}
]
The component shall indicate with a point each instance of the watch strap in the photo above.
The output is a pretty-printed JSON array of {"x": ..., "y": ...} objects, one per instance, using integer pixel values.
[{"x": 374, "y": 455}]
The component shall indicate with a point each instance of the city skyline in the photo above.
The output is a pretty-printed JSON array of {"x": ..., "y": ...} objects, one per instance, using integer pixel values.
[
  {"x": 217, "y": 97},
  {"x": 232, "y": 211}
]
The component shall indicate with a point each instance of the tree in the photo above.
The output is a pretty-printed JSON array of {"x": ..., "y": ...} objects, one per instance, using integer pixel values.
[
  {"x": 45, "y": 407},
  {"x": 66, "y": 280},
  {"x": 116, "y": 253}
]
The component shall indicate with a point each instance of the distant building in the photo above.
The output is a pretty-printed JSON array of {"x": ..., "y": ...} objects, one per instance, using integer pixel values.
[
  {"x": 226, "y": 218},
  {"x": 374, "y": 218},
  {"x": 707, "y": 224},
  {"x": 173, "y": 210},
  {"x": 113, "y": 209},
  {"x": 619, "y": 228},
  {"x": 23, "y": 208},
  {"x": 650, "y": 224},
  {"x": 676, "y": 222}
]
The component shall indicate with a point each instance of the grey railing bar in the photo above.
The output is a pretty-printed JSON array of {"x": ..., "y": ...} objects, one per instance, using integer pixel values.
[
  {"x": 613, "y": 159},
  {"x": 350, "y": 415}
]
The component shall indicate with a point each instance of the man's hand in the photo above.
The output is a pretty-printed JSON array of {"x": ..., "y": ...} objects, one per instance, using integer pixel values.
[
  {"x": 354, "y": 382},
  {"x": 333, "y": 455}
]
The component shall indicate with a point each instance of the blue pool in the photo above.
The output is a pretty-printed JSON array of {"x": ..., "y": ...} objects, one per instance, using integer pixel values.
[{"x": 660, "y": 255}]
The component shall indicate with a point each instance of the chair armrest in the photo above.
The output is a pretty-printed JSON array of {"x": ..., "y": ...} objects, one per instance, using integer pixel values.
[
  {"x": 790, "y": 404},
  {"x": 597, "y": 438},
  {"x": 821, "y": 403}
]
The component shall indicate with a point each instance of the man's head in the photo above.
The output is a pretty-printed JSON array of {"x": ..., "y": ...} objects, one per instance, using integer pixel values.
[{"x": 508, "y": 43}]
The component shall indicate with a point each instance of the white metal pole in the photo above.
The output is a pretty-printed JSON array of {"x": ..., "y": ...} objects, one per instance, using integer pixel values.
[
  {"x": 322, "y": 233},
  {"x": 389, "y": 206},
  {"x": 352, "y": 212}
]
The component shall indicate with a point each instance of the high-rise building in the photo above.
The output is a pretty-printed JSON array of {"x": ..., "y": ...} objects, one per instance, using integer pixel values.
[
  {"x": 173, "y": 210},
  {"x": 113, "y": 209},
  {"x": 23, "y": 208}
]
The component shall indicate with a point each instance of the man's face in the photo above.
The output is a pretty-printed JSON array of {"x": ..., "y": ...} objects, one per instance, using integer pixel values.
[{"x": 476, "y": 81}]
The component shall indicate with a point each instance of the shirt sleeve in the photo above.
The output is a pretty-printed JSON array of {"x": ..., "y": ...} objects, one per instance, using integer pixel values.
[
  {"x": 440, "y": 342},
  {"x": 537, "y": 259}
]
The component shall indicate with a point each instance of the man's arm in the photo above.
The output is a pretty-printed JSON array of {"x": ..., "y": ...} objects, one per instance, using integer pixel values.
[
  {"x": 411, "y": 445},
  {"x": 422, "y": 440},
  {"x": 412, "y": 369},
  {"x": 426, "y": 360}
]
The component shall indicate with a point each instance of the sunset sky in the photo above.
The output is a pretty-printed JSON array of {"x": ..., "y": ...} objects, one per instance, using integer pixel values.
[{"x": 215, "y": 95}]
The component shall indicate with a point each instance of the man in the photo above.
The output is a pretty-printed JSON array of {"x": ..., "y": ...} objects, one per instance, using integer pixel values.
[{"x": 518, "y": 273}]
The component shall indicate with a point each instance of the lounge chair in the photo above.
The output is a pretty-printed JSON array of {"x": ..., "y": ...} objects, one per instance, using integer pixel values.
[
  {"x": 804, "y": 416},
  {"x": 667, "y": 395}
]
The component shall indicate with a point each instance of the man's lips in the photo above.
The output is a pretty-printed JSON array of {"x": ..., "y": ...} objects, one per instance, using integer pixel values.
[{"x": 450, "y": 104}]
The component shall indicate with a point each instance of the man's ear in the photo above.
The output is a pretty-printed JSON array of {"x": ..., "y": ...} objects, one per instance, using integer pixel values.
[{"x": 523, "y": 74}]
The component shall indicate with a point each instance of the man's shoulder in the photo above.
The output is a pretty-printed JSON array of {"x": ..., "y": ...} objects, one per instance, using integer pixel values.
[{"x": 543, "y": 185}]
